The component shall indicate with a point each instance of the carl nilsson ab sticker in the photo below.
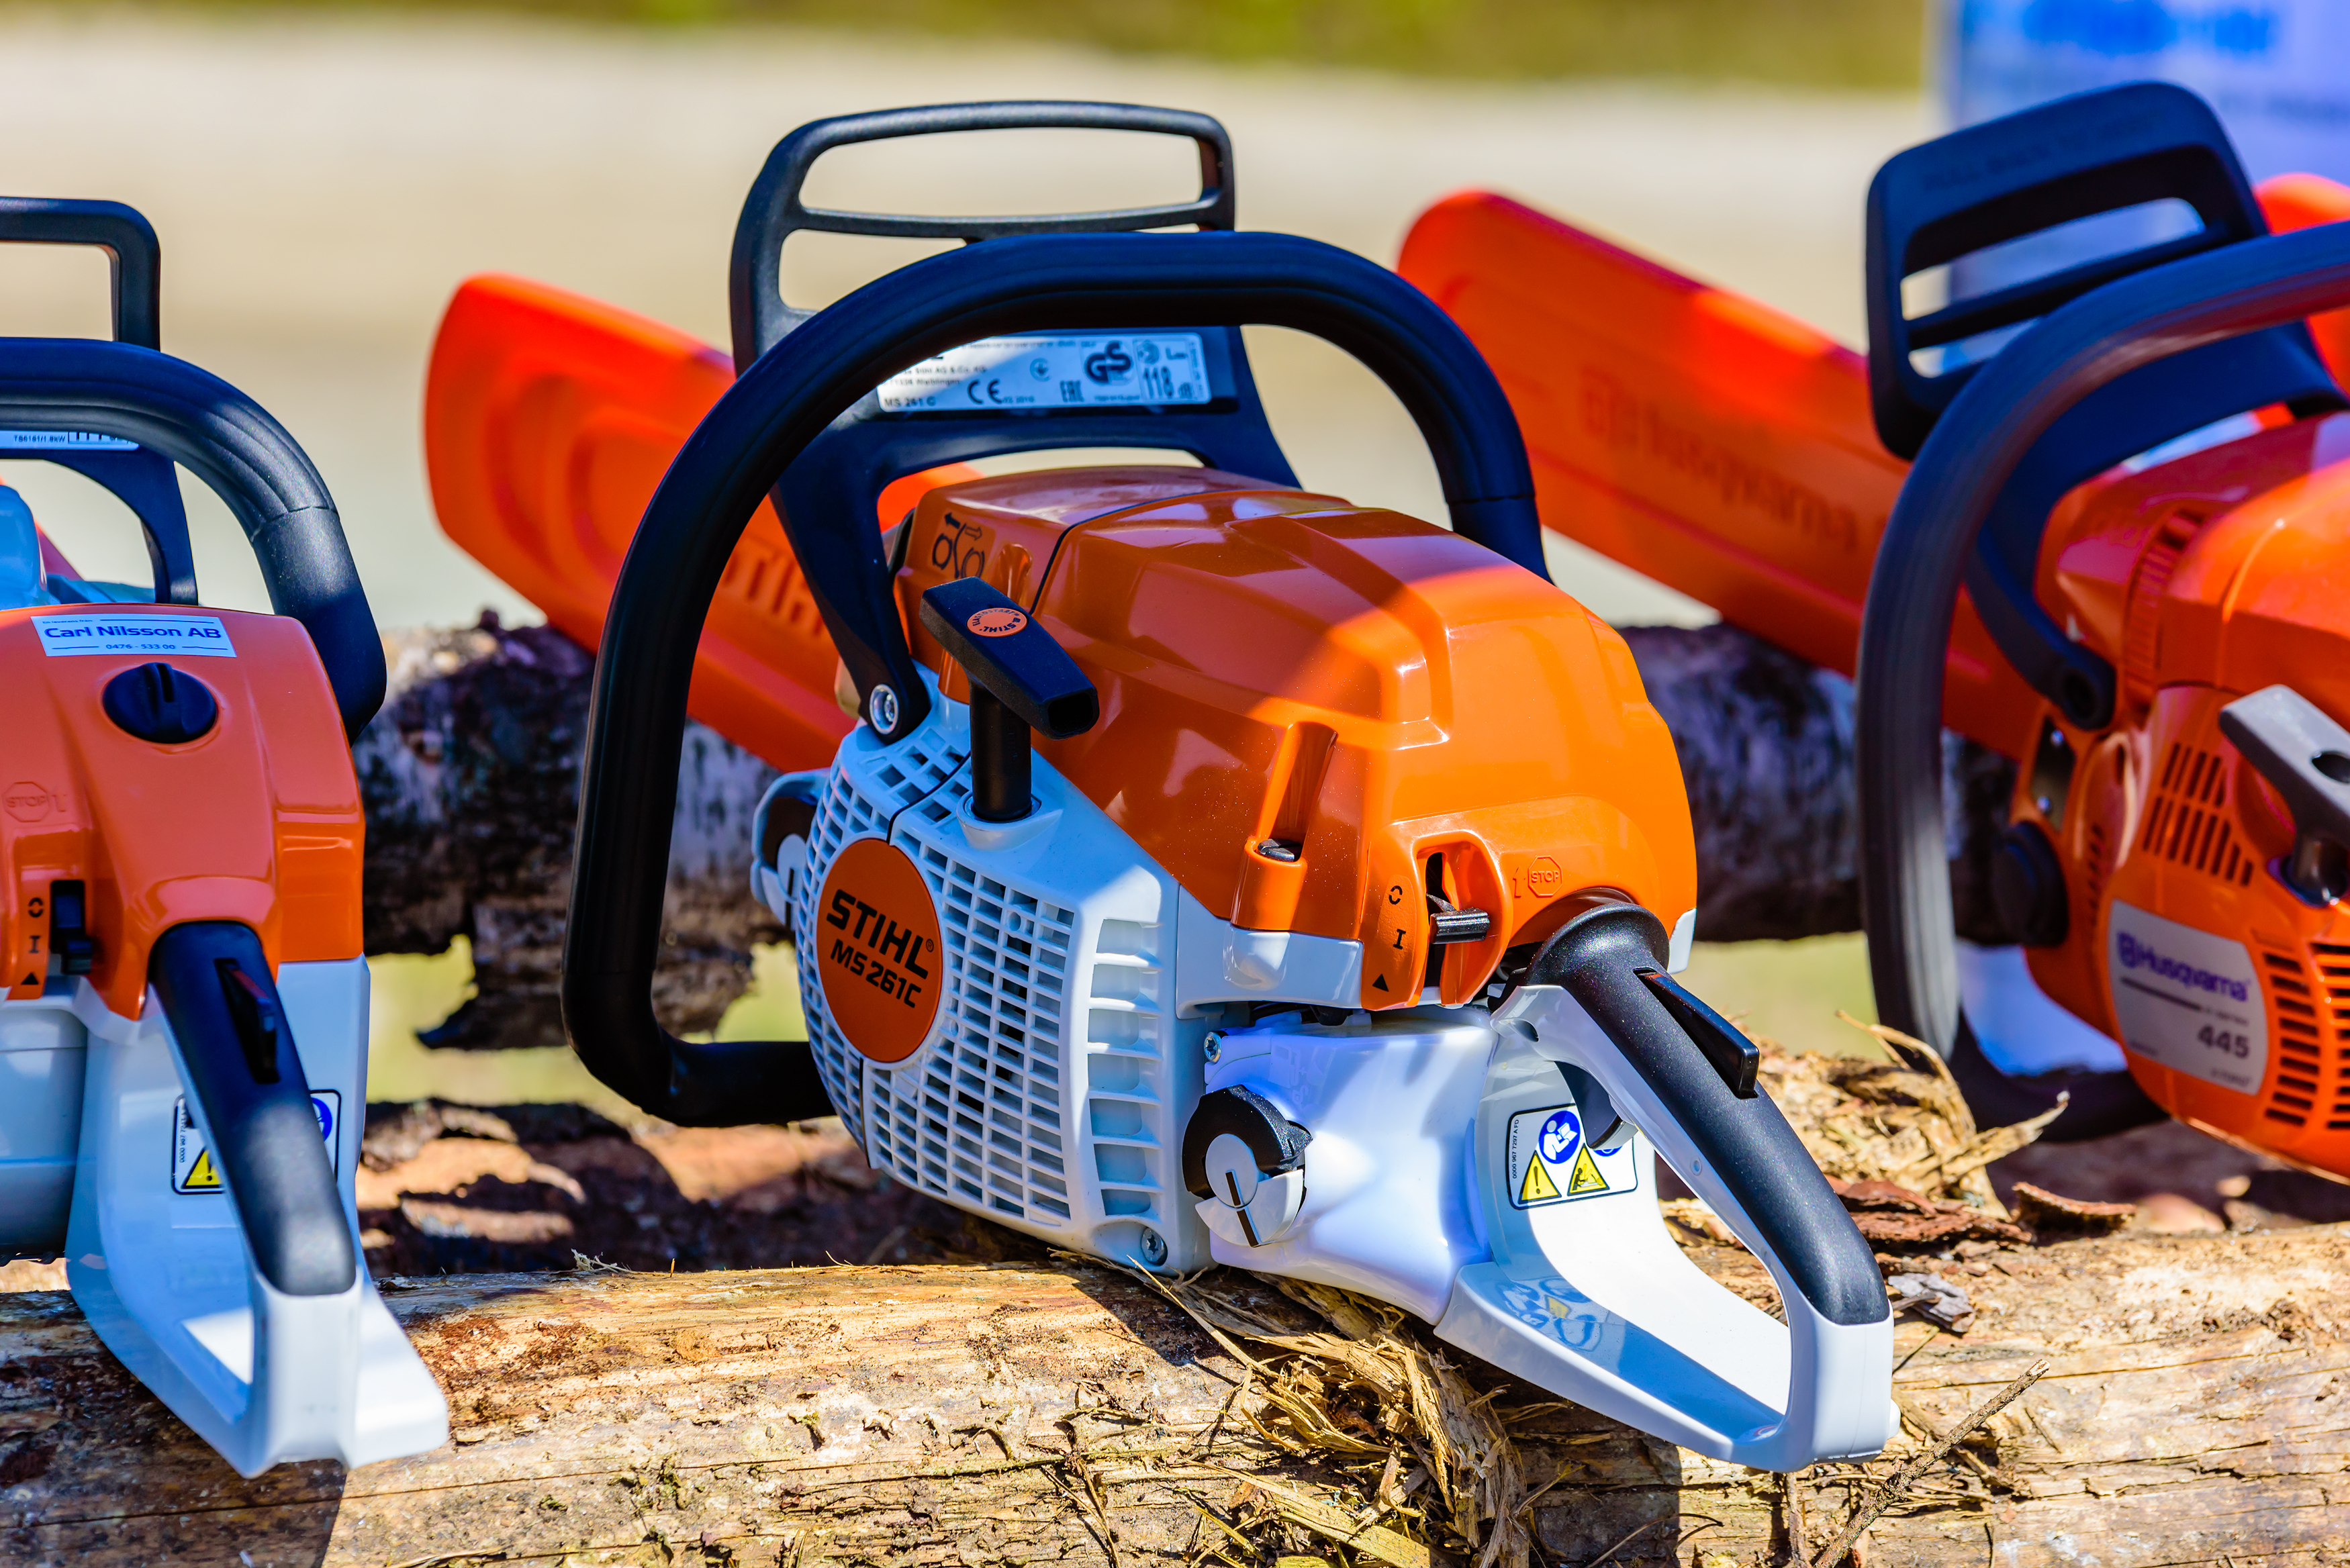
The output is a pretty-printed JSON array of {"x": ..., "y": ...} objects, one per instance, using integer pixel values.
[{"x": 66, "y": 636}]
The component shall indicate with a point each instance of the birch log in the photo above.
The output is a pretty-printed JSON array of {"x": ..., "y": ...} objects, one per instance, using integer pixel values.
[{"x": 471, "y": 778}]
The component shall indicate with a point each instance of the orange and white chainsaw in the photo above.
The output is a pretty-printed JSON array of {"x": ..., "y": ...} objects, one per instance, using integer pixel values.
[
  {"x": 184, "y": 1029},
  {"x": 2122, "y": 558},
  {"x": 1215, "y": 870}
]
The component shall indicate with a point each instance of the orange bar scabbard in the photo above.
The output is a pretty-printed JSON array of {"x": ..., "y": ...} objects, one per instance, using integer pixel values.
[
  {"x": 549, "y": 419},
  {"x": 2292, "y": 201},
  {"x": 1694, "y": 434}
]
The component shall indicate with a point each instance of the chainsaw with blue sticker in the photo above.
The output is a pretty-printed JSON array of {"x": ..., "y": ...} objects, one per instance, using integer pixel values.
[
  {"x": 184, "y": 1025},
  {"x": 1217, "y": 870}
]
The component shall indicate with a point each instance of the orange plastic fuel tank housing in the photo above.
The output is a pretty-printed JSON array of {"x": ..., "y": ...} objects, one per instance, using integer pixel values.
[
  {"x": 257, "y": 820},
  {"x": 1714, "y": 443},
  {"x": 549, "y": 419},
  {"x": 1397, "y": 707},
  {"x": 2202, "y": 580}
]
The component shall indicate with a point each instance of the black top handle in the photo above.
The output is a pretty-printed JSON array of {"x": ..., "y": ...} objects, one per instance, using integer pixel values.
[
  {"x": 195, "y": 419},
  {"x": 783, "y": 402},
  {"x": 2078, "y": 157},
  {"x": 1965, "y": 465},
  {"x": 139, "y": 480},
  {"x": 1209, "y": 409},
  {"x": 135, "y": 257},
  {"x": 774, "y": 212}
]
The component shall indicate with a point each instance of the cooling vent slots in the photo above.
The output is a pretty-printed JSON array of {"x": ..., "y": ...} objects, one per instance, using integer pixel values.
[
  {"x": 2142, "y": 624},
  {"x": 2187, "y": 823},
  {"x": 2333, "y": 976},
  {"x": 2300, "y": 1017},
  {"x": 978, "y": 1117},
  {"x": 2093, "y": 875},
  {"x": 1125, "y": 1071}
]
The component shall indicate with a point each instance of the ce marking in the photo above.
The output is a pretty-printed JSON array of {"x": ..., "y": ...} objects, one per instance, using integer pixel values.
[{"x": 994, "y": 385}]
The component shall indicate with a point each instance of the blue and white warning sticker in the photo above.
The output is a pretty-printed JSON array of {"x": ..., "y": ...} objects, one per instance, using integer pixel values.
[
  {"x": 1552, "y": 1160},
  {"x": 193, "y": 1170}
]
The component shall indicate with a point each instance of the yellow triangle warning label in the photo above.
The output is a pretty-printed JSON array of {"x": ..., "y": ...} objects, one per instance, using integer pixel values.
[
  {"x": 1584, "y": 1176},
  {"x": 1537, "y": 1188},
  {"x": 203, "y": 1177}
]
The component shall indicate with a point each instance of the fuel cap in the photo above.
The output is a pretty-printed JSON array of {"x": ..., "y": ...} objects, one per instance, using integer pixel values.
[{"x": 159, "y": 703}]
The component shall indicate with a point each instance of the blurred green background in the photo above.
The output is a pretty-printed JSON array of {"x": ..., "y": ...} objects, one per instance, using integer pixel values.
[{"x": 1805, "y": 43}]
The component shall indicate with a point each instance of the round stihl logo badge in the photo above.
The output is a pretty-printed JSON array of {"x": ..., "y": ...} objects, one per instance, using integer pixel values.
[
  {"x": 996, "y": 621},
  {"x": 878, "y": 955}
]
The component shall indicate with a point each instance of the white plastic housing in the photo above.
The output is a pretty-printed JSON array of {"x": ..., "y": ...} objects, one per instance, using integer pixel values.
[{"x": 167, "y": 1282}]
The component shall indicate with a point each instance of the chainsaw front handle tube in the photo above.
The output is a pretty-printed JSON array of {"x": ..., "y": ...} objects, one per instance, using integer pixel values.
[
  {"x": 134, "y": 255},
  {"x": 1646, "y": 1342},
  {"x": 199, "y": 421},
  {"x": 2025, "y": 173},
  {"x": 237, "y": 1051},
  {"x": 1964, "y": 464},
  {"x": 782, "y": 404},
  {"x": 774, "y": 212}
]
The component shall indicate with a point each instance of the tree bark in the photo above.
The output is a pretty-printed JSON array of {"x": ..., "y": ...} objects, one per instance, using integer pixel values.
[
  {"x": 471, "y": 779},
  {"x": 2195, "y": 1413}
]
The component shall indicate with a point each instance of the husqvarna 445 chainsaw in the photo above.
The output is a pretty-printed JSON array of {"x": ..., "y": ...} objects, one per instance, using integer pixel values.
[
  {"x": 186, "y": 1007},
  {"x": 2146, "y": 498},
  {"x": 1218, "y": 870}
]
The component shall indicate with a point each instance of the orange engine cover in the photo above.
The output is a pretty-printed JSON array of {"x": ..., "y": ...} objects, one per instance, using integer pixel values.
[
  {"x": 257, "y": 820},
  {"x": 1410, "y": 712},
  {"x": 2203, "y": 580}
]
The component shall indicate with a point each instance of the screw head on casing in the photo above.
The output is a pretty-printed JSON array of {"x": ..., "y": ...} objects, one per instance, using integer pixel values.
[
  {"x": 1154, "y": 1247},
  {"x": 883, "y": 707},
  {"x": 1212, "y": 1048}
]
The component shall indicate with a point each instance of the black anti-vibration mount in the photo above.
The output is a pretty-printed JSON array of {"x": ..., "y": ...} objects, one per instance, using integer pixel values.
[{"x": 1021, "y": 680}]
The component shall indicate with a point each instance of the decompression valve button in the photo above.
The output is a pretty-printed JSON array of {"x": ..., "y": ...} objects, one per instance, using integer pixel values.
[{"x": 1247, "y": 1164}]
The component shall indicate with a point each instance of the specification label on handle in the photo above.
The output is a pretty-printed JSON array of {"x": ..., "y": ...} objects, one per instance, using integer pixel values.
[{"x": 1127, "y": 371}]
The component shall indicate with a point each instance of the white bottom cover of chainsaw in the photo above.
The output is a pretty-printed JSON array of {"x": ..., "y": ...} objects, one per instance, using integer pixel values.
[
  {"x": 158, "y": 1263},
  {"x": 1450, "y": 1173}
]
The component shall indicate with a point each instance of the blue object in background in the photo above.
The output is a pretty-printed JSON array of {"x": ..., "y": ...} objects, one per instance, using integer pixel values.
[{"x": 2276, "y": 71}]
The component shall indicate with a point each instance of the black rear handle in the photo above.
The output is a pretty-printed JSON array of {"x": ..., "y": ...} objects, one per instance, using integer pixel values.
[
  {"x": 774, "y": 212},
  {"x": 1966, "y": 461},
  {"x": 202, "y": 423},
  {"x": 133, "y": 253},
  {"x": 237, "y": 1052},
  {"x": 1609, "y": 959},
  {"x": 785, "y": 401}
]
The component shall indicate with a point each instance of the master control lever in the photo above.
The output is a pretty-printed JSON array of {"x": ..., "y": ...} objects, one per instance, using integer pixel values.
[
  {"x": 2305, "y": 757},
  {"x": 1021, "y": 680}
]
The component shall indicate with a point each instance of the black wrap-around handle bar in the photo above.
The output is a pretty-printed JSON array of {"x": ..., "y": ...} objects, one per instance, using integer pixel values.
[
  {"x": 225, "y": 439},
  {"x": 1965, "y": 463},
  {"x": 780, "y": 405}
]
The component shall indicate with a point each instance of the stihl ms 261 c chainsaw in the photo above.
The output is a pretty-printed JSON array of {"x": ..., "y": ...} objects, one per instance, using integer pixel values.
[
  {"x": 187, "y": 999},
  {"x": 1219, "y": 871},
  {"x": 2122, "y": 558}
]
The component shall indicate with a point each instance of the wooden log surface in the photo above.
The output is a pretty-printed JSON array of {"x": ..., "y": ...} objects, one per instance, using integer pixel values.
[
  {"x": 471, "y": 779},
  {"x": 2197, "y": 1410}
]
